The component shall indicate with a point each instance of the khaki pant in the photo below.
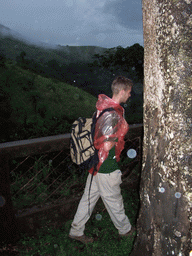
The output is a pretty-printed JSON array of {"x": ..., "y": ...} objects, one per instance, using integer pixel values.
[{"x": 108, "y": 187}]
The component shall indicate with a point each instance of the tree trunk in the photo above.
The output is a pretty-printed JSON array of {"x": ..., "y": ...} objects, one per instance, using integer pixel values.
[{"x": 165, "y": 223}]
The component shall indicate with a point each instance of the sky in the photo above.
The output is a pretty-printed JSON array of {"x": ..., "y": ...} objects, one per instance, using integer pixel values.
[{"x": 105, "y": 23}]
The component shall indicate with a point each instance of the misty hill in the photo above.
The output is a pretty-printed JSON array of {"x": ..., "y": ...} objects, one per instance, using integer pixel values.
[
  {"x": 6, "y": 32},
  {"x": 13, "y": 43}
]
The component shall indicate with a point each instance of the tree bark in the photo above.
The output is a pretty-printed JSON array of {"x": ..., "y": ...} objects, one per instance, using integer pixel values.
[{"x": 164, "y": 225}]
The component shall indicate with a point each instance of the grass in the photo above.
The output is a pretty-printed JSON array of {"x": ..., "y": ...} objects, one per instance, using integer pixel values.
[{"x": 52, "y": 241}]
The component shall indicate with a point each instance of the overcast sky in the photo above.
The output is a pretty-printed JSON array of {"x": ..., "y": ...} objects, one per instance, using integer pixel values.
[{"x": 105, "y": 23}]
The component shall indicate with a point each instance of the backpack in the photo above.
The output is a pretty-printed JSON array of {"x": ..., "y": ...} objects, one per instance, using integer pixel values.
[{"x": 82, "y": 150}]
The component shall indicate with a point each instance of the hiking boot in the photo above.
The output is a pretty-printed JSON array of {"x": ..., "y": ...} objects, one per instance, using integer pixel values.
[
  {"x": 129, "y": 233},
  {"x": 83, "y": 239}
]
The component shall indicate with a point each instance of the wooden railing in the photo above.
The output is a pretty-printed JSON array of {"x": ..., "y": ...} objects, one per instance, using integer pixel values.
[{"x": 37, "y": 146}]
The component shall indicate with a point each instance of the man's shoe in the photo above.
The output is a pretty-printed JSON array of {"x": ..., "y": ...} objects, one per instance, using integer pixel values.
[
  {"x": 83, "y": 239},
  {"x": 130, "y": 233}
]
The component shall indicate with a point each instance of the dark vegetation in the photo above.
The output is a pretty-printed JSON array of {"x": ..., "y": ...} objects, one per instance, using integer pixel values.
[{"x": 43, "y": 90}]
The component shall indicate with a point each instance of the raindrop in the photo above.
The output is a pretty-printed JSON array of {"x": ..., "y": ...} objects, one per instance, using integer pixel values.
[
  {"x": 98, "y": 216},
  {"x": 161, "y": 190},
  {"x": 131, "y": 153},
  {"x": 177, "y": 194}
]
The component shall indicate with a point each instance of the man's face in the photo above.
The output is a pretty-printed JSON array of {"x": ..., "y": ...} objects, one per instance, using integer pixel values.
[{"x": 125, "y": 95}]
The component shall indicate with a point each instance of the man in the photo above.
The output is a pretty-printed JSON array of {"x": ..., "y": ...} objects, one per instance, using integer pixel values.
[{"x": 110, "y": 130}]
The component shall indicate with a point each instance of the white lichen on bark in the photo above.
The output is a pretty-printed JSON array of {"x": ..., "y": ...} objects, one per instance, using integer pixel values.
[
  {"x": 167, "y": 146},
  {"x": 166, "y": 92}
]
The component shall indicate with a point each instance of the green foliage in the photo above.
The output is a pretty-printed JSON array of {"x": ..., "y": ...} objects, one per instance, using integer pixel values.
[
  {"x": 34, "y": 185},
  {"x": 129, "y": 59}
]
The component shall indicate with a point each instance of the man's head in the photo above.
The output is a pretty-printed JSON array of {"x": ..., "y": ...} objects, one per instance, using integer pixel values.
[{"x": 121, "y": 88}]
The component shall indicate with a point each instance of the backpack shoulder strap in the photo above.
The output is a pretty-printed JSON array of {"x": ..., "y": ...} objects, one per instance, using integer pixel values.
[{"x": 105, "y": 110}]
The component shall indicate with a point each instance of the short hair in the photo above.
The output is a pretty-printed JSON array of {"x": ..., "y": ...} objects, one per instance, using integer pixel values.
[{"x": 121, "y": 83}]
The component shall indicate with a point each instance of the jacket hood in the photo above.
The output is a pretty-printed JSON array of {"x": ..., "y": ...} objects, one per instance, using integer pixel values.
[{"x": 106, "y": 102}]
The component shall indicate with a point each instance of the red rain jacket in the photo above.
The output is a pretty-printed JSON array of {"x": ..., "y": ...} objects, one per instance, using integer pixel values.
[{"x": 111, "y": 126}]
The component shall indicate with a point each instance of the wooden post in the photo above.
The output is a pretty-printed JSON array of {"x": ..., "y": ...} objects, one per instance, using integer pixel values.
[{"x": 8, "y": 225}]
